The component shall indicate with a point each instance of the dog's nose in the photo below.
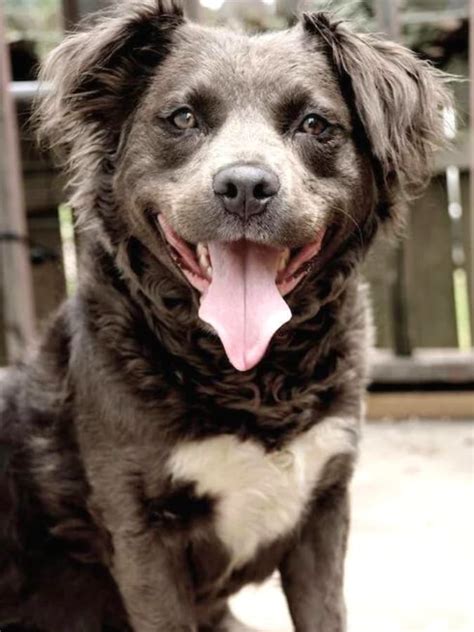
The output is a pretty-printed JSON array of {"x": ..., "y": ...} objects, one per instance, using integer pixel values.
[{"x": 245, "y": 190}]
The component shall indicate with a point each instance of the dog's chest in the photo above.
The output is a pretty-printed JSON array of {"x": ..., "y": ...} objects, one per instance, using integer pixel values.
[{"x": 259, "y": 496}]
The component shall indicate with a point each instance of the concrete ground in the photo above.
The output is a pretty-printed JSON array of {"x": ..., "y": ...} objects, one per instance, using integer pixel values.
[{"x": 410, "y": 566}]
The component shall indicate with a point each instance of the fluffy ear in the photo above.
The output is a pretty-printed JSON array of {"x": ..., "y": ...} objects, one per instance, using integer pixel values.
[
  {"x": 95, "y": 77},
  {"x": 398, "y": 99}
]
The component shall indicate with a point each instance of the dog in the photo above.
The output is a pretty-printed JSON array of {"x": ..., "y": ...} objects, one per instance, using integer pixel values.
[{"x": 191, "y": 418}]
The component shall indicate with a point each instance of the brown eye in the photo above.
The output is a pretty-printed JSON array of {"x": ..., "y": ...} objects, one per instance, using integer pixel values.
[
  {"x": 184, "y": 119},
  {"x": 314, "y": 125}
]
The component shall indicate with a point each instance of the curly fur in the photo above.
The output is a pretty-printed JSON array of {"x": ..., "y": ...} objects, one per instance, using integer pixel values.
[{"x": 94, "y": 534}]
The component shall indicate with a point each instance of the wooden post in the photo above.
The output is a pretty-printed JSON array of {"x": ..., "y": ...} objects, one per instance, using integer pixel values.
[
  {"x": 75, "y": 10},
  {"x": 471, "y": 75},
  {"x": 70, "y": 14},
  {"x": 289, "y": 9},
  {"x": 17, "y": 282},
  {"x": 388, "y": 19},
  {"x": 193, "y": 9},
  {"x": 401, "y": 330}
]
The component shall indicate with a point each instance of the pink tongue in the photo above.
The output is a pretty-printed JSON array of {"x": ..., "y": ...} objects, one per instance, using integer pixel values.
[{"x": 243, "y": 303}]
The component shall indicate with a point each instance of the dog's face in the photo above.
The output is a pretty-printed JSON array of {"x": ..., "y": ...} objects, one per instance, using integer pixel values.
[
  {"x": 243, "y": 151},
  {"x": 245, "y": 163},
  {"x": 245, "y": 138}
]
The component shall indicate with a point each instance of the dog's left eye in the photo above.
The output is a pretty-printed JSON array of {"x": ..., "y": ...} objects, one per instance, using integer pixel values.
[
  {"x": 313, "y": 124},
  {"x": 184, "y": 119}
]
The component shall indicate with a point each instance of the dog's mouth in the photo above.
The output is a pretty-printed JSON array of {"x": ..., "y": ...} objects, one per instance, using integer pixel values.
[{"x": 242, "y": 285}]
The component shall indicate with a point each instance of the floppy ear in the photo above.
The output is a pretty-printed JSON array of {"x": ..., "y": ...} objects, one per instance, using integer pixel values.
[
  {"x": 398, "y": 99},
  {"x": 95, "y": 77}
]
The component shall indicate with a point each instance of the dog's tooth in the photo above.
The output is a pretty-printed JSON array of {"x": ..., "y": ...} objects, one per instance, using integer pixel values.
[
  {"x": 285, "y": 257},
  {"x": 203, "y": 256},
  {"x": 202, "y": 250},
  {"x": 203, "y": 261}
]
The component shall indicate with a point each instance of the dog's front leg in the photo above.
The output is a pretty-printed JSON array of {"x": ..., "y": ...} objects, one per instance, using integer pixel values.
[
  {"x": 153, "y": 579},
  {"x": 312, "y": 572}
]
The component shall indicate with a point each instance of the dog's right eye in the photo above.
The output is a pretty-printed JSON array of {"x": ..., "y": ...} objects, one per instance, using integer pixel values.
[
  {"x": 184, "y": 119},
  {"x": 314, "y": 125}
]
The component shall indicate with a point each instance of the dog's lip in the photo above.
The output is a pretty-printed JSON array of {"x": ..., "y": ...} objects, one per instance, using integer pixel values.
[
  {"x": 196, "y": 265},
  {"x": 299, "y": 264},
  {"x": 181, "y": 247},
  {"x": 185, "y": 257}
]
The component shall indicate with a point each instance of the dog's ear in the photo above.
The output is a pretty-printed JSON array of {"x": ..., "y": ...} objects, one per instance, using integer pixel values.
[
  {"x": 93, "y": 80},
  {"x": 398, "y": 99}
]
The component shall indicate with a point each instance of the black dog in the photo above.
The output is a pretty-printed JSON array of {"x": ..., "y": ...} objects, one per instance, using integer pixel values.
[{"x": 228, "y": 185}]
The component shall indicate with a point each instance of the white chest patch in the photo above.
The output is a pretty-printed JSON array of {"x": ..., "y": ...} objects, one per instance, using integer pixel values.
[{"x": 260, "y": 496}]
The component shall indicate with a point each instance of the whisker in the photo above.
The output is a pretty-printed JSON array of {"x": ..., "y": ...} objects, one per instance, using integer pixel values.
[{"x": 355, "y": 222}]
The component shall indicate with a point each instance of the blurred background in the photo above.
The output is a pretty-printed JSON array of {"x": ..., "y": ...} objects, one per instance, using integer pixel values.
[{"x": 412, "y": 549}]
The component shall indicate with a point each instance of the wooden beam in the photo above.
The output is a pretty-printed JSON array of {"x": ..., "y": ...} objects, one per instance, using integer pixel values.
[
  {"x": 20, "y": 326},
  {"x": 425, "y": 366},
  {"x": 423, "y": 405}
]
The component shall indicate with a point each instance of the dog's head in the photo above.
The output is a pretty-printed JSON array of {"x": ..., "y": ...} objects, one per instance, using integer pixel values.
[{"x": 243, "y": 164}]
